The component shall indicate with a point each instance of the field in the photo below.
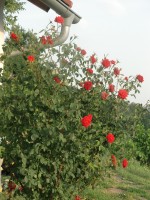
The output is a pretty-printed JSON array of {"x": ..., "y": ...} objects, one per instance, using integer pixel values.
[{"x": 132, "y": 183}]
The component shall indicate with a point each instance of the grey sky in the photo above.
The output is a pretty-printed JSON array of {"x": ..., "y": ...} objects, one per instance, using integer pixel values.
[{"x": 117, "y": 28}]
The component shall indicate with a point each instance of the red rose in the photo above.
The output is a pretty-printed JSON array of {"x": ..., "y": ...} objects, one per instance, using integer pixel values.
[
  {"x": 11, "y": 185},
  {"x": 114, "y": 160},
  {"x": 78, "y": 49},
  {"x": 116, "y": 71},
  {"x": 113, "y": 62},
  {"x": 124, "y": 163},
  {"x": 106, "y": 63},
  {"x": 49, "y": 40},
  {"x": 77, "y": 198},
  {"x": 88, "y": 85},
  {"x": 31, "y": 58},
  {"x": 83, "y": 52},
  {"x": 14, "y": 36},
  {"x": 140, "y": 78},
  {"x": 89, "y": 70},
  {"x": 46, "y": 40},
  {"x": 126, "y": 78},
  {"x": 86, "y": 120},
  {"x": 59, "y": 19},
  {"x": 43, "y": 40},
  {"x": 122, "y": 94},
  {"x": 104, "y": 95},
  {"x": 110, "y": 138},
  {"x": 56, "y": 79},
  {"x": 93, "y": 59},
  {"x": 111, "y": 88}
]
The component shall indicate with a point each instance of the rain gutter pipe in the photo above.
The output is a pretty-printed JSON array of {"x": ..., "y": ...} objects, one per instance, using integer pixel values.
[{"x": 70, "y": 17}]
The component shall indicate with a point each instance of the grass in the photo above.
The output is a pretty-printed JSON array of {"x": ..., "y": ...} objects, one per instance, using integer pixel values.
[
  {"x": 4, "y": 197},
  {"x": 131, "y": 183}
]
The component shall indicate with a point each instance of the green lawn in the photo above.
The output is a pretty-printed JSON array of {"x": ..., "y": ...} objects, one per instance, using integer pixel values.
[{"x": 132, "y": 183}]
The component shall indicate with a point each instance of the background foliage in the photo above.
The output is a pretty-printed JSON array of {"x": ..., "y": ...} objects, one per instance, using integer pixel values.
[{"x": 12, "y": 7}]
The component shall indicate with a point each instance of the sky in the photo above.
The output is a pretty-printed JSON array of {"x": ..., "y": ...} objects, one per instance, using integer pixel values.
[{"x": 117, "y": 28}]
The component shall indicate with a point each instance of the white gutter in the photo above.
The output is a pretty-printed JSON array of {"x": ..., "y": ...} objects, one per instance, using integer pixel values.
[{"x": 62, "y": 9}]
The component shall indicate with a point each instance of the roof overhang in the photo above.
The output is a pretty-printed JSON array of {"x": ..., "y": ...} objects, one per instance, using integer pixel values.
[
  {"x": 59, "y": 6},
  {"x": 40, "y": 4}
]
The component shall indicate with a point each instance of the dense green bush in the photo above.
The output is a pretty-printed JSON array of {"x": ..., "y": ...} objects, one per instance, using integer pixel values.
[
  {"x": 142, "y": 144},
  {"x": 57, "y": 108}
]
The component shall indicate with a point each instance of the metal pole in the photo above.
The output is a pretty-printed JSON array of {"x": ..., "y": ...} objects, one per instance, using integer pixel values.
[{"x": 1, "y": 28}]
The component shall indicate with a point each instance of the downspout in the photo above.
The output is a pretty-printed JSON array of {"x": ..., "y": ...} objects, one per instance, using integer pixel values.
[
  {"x": 70, "y": 17},
  {"x": 1, "y": 29},
  {"x": 65, "y": 29}
]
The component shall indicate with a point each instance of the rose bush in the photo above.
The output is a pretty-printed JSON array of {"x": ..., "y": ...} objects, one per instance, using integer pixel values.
[{"x": 57, "y": 148}]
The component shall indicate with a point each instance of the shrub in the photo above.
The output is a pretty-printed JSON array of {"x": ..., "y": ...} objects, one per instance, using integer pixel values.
[
  {"x": 56, "y": 115},
  {"x": 142, "y": 144}
]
